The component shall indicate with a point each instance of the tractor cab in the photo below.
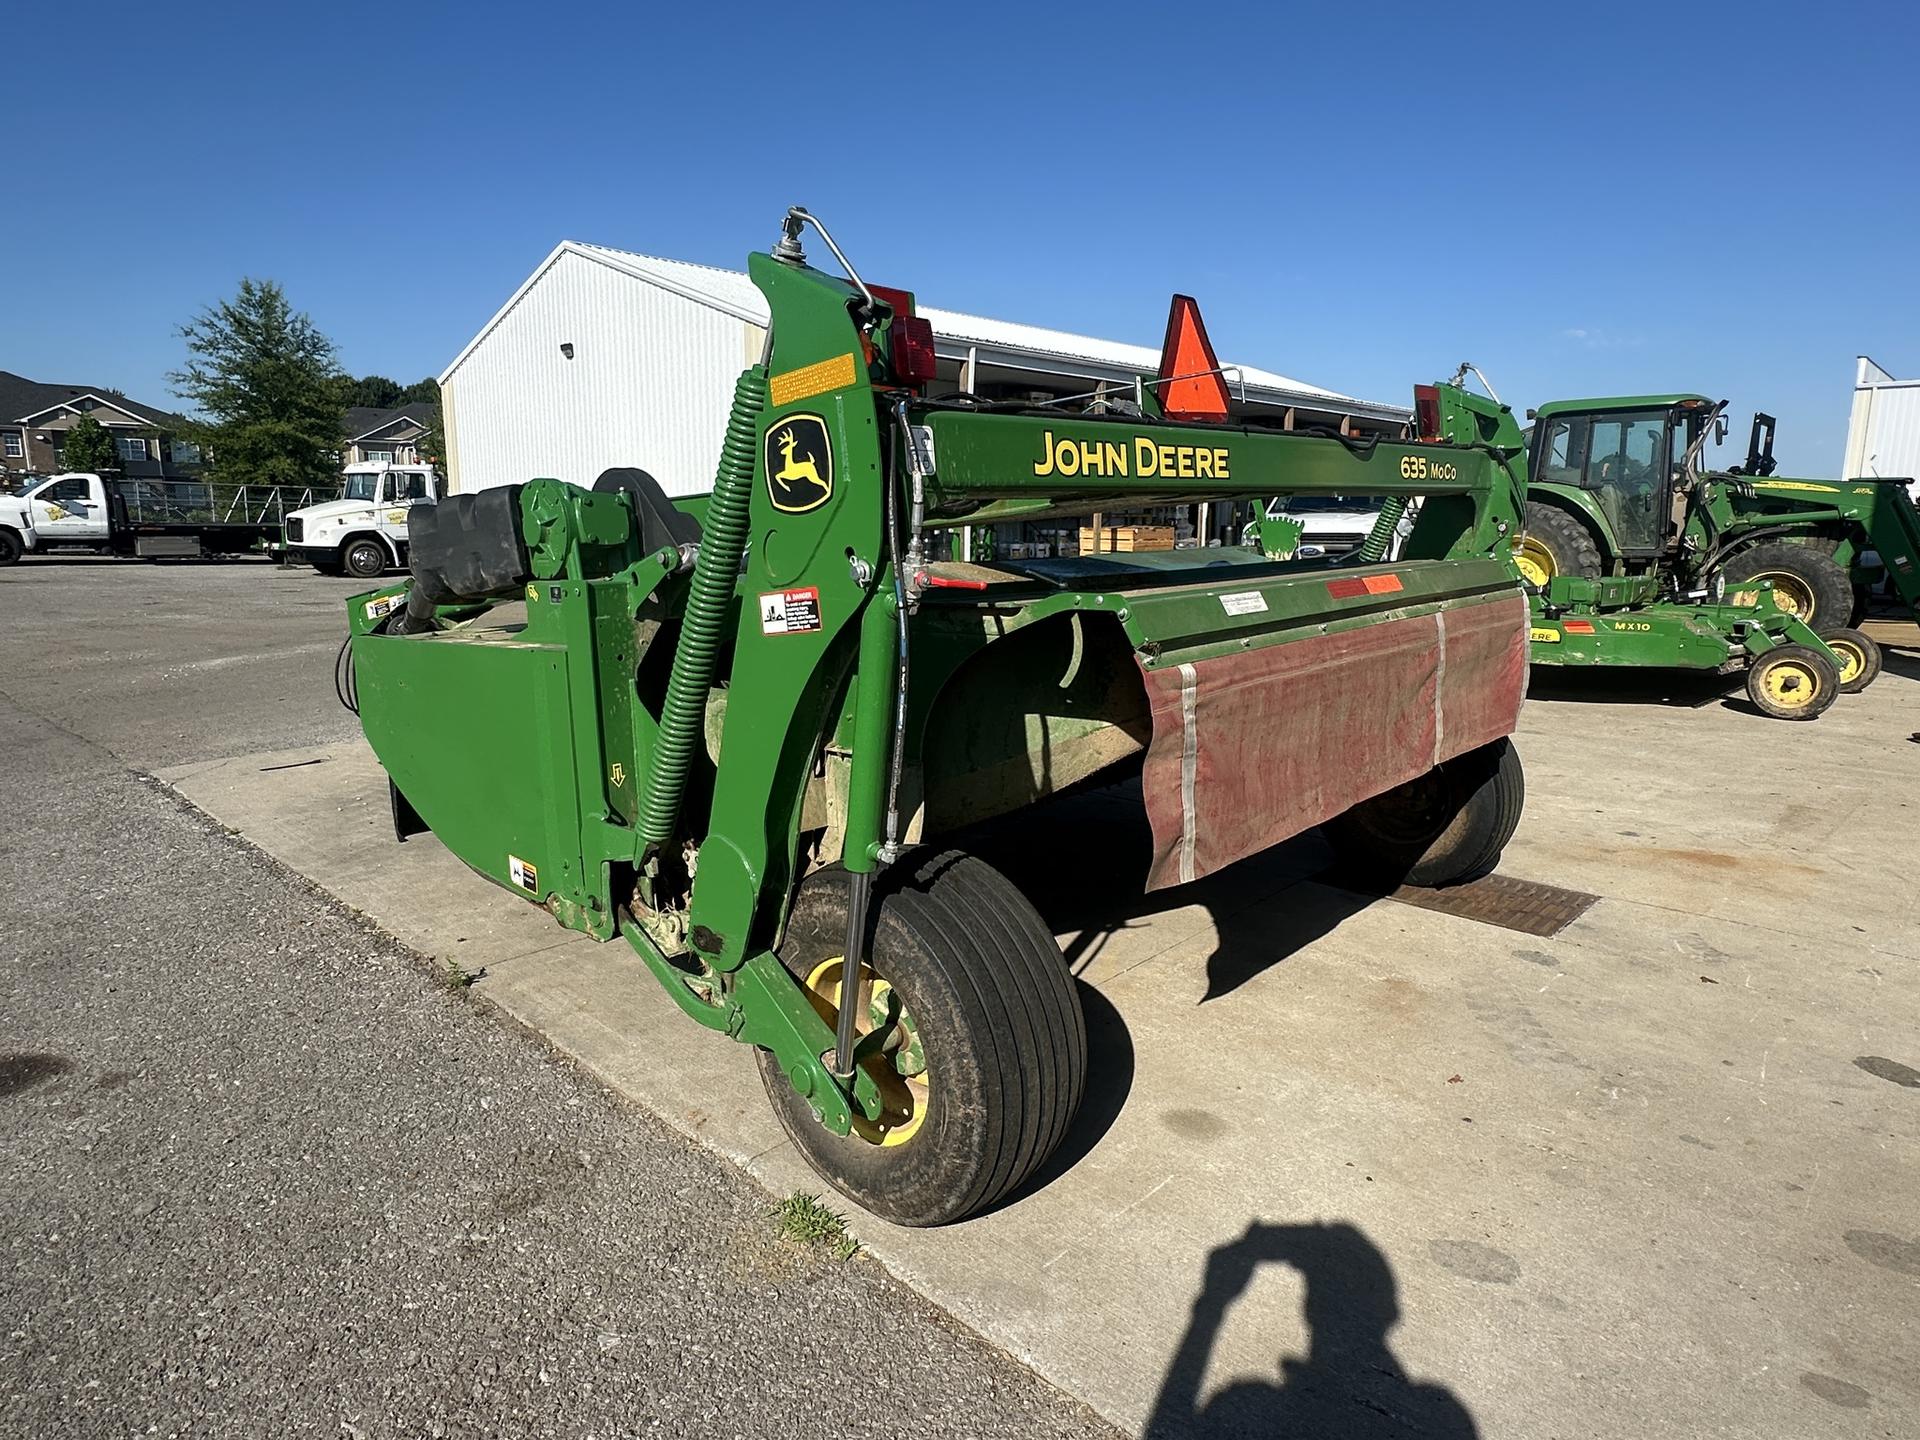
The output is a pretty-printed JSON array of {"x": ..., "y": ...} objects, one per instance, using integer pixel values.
[{"x": 1621, "y": 461}]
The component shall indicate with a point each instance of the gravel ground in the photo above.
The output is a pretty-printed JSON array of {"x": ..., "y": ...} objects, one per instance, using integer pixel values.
[{"x": 265, "y": 1175}]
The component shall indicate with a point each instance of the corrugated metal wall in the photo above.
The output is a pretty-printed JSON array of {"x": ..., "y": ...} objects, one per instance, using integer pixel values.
[
  {"x": 649, "y": 383},
  {"x": 1883, "y": 434}
]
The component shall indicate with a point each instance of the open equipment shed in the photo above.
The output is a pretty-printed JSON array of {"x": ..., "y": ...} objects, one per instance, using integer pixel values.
[{"x": 605, "y": 357}]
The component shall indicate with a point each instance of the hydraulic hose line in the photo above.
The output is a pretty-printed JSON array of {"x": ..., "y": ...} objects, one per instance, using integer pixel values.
[
  {"x": 709, "y": 598},
  {"x": 1374, "y": 548}
]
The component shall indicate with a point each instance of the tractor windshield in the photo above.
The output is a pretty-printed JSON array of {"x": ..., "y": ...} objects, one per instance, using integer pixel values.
[{"x": 1621, "y": 458}]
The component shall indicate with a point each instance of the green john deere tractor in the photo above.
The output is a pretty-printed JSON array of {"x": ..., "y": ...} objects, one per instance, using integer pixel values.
[
  {"x": 743, "y": 736},
  {"x": 1615, "y": 487},
  {"x": 1642, "y": 620}
]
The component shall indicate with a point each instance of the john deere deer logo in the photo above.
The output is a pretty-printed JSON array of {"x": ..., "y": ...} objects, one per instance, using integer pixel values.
[{"x": 799, "y": 460}]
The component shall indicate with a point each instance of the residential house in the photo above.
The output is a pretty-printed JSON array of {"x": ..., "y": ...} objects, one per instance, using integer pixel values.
[
  {"x": 393, "y": 435},
  {"x": 35, "y": 418}
]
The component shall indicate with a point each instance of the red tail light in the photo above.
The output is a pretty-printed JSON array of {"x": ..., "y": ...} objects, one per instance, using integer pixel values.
[
  {"x": 1426, "y": 411},
  {"x": 912, "y": 345},
  {"x": 909, "y": 339}
]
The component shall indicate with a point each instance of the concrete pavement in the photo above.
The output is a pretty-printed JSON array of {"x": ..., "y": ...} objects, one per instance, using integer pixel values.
[
  {"x": 263, "y": 1176},
  {"x": 1371, "y": 1169},
  {"x": 1345, "y": 1168}
]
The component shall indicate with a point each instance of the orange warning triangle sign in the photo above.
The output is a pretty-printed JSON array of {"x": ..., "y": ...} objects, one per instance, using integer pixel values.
[{"x": 1190, "y": 386}]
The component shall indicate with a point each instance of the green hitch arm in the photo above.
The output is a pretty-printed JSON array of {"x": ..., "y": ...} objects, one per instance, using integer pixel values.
[
  {"x": 874, "y": 696},
  {"x": 715, "y": 574}
]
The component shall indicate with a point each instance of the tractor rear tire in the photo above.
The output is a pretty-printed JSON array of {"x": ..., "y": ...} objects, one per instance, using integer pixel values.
[
  {"x": 988, "y": 1003},
  {"x": 1443, "y": 828},
  {"x": 1555, "y": 544},
  {"x": 364, "y": 559},
  {"x": 1793, "y": 682},
  {"x": 1808, "y": 583},
  {"x": 1860, "y": 660}
]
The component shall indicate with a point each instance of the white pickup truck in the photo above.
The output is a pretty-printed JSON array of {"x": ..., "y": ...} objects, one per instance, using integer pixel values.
[
  {"x": 365, "y": 531},
  {"x": 149, "y": 518}
]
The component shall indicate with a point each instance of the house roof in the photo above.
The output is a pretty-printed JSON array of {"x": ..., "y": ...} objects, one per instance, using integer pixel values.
[
  {"x": 365, "y": 422},
  {"x": 21, "y": 398},
  {"x": 954, "y": 332}
]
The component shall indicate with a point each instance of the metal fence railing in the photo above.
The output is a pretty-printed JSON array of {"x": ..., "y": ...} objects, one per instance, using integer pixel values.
[{"x": 202, "y": 502}]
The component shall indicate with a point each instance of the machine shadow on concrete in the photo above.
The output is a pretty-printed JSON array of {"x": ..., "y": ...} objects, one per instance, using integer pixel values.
[
  {"x": 1348, "y": 1386},
  {"x": 1612, "y": 685},
  {"x": 1099, "y": 890}
]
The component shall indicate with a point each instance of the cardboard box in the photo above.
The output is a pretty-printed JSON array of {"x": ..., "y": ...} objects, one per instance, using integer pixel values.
[{"x": 1120, "y": 539}]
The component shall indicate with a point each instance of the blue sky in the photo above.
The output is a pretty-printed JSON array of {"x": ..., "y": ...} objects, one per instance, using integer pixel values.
[{"x": 1580, "y": 200}]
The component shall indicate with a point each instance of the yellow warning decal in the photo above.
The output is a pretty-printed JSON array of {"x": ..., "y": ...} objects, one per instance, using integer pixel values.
[
  {"x": 1545, "y": 637},
  {"x": 1795, "y": 485},
  {"x": 812, "y": 379}
]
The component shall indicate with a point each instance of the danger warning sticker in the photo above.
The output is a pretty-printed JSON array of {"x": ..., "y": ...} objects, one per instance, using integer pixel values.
[
  {"x": 523, "y": 873},
  {"x": 790, "y": 612}
]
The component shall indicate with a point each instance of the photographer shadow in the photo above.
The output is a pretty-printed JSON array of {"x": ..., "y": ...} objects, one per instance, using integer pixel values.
[{"x": 1349, "y": 1386}]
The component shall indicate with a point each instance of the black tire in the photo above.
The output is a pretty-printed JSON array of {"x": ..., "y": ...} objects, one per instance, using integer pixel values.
[
  {"x": 1444, "y": 828},
  {"x": 1557, "y": 543},
  {"x": 1793, "y": 682},
  {"x": 1860, "y": 660},
  {"x": 1808, "y": 583},
  {"x": 364, "y": 558},
  {"x": 992, "y": 1005},
  {"x": 10, "y": 547}
]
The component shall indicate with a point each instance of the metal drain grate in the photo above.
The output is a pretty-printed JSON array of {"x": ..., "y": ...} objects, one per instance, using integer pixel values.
[{"x": 1523, "y": 905}]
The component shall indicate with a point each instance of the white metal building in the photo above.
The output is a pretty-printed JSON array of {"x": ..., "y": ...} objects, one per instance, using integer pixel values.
[
  {"x": 1883, "y": 434},
  {"x": 604, "y": 357}
]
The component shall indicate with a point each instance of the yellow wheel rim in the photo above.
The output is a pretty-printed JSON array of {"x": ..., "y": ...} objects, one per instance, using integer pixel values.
[
  {"x": 1535, "y": 562},
  {"x": 1791, "y": 685},
  {"x": 1852, "y": 661},
  {"x": 899, "y": 1071},
  {"x": 1790, "y": 593}
]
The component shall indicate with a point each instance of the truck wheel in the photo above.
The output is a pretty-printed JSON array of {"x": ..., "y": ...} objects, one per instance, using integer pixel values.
[
  {"x": 1793, "y": 682},
  {"x": 1554, "y": 544},
  {"x": 1859, "y": 658},
  {"x": 989, "y": 1057},
  {"x": 364, "y": 558},
  {"x": 1442, "y": 828},
  {"x": 1807, "y": 582},
  {"x": 10, "y": 547}
]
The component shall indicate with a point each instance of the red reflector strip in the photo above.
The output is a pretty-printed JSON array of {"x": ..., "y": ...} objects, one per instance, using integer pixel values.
[
  {"x": 1348, "y": 587},
  {"x": 1577, "y": 627}
]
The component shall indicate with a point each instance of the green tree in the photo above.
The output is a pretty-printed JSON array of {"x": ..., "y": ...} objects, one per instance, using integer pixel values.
[
  {"x": 376, "y": 392},
  {"x": 267, "y": 388},
  {"x": 433, "y": 444},
  {"x": 89, "y": 446},
  {"x": 420, "y": 392}
]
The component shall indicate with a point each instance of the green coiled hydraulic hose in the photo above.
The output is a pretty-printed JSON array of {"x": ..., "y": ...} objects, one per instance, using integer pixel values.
[
  {"x": 1374, "y": 548},
  {"x": 702, "y": 629}
]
